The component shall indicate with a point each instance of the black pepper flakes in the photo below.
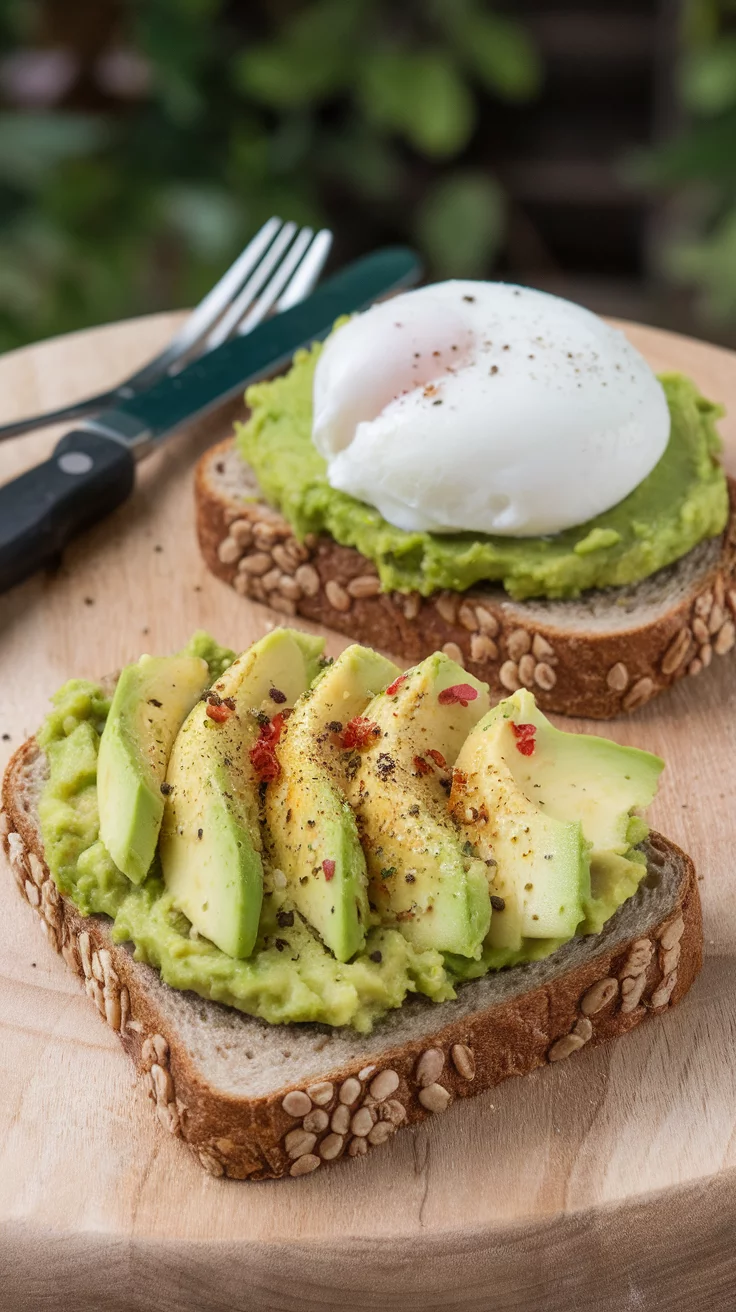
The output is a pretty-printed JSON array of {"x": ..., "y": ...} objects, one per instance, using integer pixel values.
[
  {"x": 385, "y": 765},
  {"x": 498, "y": 903},
  {"x": 285, "y": 919},
  {"x": 410, "y": 879},
  {"x": 377, "y": 957},
  {"x": 166, "y": 789},
  {"x": 200, "y": 833},
  {"x": 280, "y": 944},
  {"x": 152, "y": 701},
  {"x": 335, "y": 726},
  {"x": 277, "y": 696}
]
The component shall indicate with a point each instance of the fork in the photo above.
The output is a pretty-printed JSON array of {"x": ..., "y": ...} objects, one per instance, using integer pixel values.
[{"x": 276, "y": 270}]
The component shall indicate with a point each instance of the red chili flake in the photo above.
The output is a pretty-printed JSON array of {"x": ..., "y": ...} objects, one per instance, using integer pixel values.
[
  {"x": 329, "y": 869},
  {"x": 437, "y": 757},
  {"x": 359, "y": 733},
  {"x": 459, "y": 692},
  {"x": 421, "y": 766},
  {"x": 524, "y": 735},
  {"x": 393, "y": 688},
  {"x": 459, "y": 778},
  {"x": 219, "y": 711},
  {"x": 263, "y": 752},
  {"x": 264, "y": 761},
  {"x": 275, "y": 728}
]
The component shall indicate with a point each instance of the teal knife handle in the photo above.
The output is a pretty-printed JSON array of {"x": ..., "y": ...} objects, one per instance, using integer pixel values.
[{"x": 86, "y": 478}]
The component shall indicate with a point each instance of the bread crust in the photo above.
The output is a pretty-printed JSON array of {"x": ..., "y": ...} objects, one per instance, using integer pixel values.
[
  {"x": 610, "y": 993},
  {"x": 597, "y": 673}
]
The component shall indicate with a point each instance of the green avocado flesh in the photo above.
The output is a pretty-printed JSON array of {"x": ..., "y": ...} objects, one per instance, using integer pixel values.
[
  {"x": 421, "y": 878},
  {"x": 151, "y": 701},
  {"x": 273, "y": 946},
  {"x": 683, "y": 501},
  {"x": 210, "y": 836},
  {"x": 308, "y": 818}
]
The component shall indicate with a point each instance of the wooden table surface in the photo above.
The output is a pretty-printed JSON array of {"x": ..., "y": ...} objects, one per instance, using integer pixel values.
[{"x": 607, "y": 1181}]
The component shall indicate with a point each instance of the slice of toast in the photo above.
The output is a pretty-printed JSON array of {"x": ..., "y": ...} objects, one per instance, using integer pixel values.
[
  {"x": 607, "y": 653},
  {"x": 253, "y": 1100}
]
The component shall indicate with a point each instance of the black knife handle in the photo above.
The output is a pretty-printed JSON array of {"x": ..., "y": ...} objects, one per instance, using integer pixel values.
[{"x": 85, "y": 479}]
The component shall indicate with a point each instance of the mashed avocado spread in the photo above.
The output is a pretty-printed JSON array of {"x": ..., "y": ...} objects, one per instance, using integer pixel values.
[
  {"x": 290, "y": 975},
  {"x": 683, "y": 501}
]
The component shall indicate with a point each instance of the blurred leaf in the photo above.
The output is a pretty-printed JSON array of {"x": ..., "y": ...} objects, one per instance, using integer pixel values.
[
  {"x": 33, "y": 145},
  {"x": 207, "y": 218},
  {"x": 290, "y": 145},
  {"x": 706, "y": 153},
  {"x": 179, "y": 38},
  {"x": 711, "y": 264},
  {"x": 499, "y": 52},
  {"x": 419, "y": 96},
  {"x": 308, "y": 62},
  {"x": 280, "y": 76},
  {"x": 460, "y": 224},
  {"x": 366, "y": 163},
  {"x": 709, "y": 78},
  {"x": 699, "y": 21}
]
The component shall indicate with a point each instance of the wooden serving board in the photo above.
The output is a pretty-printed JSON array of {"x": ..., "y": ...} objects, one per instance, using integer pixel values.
[{"x": 606, "y": 1182}]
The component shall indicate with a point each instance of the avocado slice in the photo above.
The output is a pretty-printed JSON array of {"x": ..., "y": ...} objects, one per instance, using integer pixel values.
[
  {"x": 537, "y": 864},
  {"x": 312, "y": 834},
  {"x": 578, "y": 776},
  {"x": 151, "y": 700},
  {"x": 421, "y": 876},
  {"x": 210, "y": 837}
]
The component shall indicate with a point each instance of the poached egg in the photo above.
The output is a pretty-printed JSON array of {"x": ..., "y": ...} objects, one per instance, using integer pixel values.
[{"x": 485, "y": 407}]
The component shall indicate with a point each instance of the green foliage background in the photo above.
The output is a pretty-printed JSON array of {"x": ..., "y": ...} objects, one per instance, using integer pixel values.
[
  {"x": 699, "y": 162},
  {"x": 370, "y": 116},
  {"x": 312, "y": 109}
]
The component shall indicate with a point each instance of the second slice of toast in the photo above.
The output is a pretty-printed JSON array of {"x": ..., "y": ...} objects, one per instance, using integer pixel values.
[{"x": 603, "y": 655}]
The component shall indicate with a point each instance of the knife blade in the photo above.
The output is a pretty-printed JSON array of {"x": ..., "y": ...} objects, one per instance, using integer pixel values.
[{"x": 92, "y": 469}]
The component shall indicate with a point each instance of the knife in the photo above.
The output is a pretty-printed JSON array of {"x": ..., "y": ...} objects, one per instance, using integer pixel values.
[{"x": 91, "y": 470}]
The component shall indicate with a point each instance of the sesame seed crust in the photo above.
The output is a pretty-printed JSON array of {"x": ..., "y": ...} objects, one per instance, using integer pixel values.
[{"x": 601, "y": 670}]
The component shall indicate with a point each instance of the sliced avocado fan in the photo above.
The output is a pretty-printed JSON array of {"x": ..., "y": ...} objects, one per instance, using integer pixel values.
[
  {"x": 423, "y": 878},
  {"x": 210, "y": 837},
  {"x": 551, "y": 808},
  {"x": 312, "y": 834}
]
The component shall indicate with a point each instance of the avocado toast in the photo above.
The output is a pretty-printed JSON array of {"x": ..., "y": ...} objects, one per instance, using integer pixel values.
[{"x": 432, "y": 839}]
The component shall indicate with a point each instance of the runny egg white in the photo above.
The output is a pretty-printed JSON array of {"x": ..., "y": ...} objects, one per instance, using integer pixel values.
[{"x": 486, "y": 407}]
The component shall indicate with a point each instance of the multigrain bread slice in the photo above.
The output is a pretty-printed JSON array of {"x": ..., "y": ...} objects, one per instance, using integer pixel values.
[
  {"x": 605, "y": 654},
  {"x": 253, "y": 1100}
]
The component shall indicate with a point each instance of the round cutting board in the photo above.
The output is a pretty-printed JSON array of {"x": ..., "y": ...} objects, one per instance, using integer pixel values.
[{"x": 606, "y": 1182}]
